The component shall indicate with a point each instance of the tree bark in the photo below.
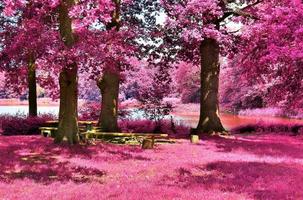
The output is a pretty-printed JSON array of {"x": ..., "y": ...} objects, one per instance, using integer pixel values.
[
  {"x": 209, "y": 121},
  {"x": 109, "y": 88},
  {"x": 68, "y": 125},
  {"x": 68, "y": 112},
  {"x": 32, "y": 88}
]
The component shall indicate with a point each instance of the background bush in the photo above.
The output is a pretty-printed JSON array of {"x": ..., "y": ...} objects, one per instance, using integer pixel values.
[
  {"x": 22, "y": 125},
  {"x": 148, "y": 126},
  {"x": 91, "y": 111}
]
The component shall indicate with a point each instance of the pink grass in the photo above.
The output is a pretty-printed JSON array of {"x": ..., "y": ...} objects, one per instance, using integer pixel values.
[{"x": 263, "y": 166}]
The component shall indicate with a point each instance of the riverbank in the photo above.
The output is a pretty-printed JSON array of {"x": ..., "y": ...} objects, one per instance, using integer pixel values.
[
  {"x": 18, "y": 102},
  {"x": 40, "y": 102}
]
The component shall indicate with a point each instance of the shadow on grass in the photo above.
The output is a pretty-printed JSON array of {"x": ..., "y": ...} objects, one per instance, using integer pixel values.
[
  {"x": 128, "y": 156},
  {"x": 258, "y": 180},
  {"x": 39, "y": 159},
  {"x": 263, "y": 145}
]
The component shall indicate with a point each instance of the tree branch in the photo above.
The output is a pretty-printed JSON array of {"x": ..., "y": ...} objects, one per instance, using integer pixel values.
[{"x": 239, "y": 12}]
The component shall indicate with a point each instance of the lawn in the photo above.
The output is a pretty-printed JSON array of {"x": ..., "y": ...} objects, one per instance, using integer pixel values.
[{"x": 256, "y": 166}]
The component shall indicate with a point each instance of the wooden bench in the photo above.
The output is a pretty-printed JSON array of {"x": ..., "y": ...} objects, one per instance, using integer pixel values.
[
  {"x": 147, "y": 143},
  {"x": 48, "y": 131},
  {"x": 51, "y": 131},
  {"x": 88, "y": 125}
]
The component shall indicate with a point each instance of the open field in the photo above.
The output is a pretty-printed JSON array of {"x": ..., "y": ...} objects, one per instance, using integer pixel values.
[{"x": 263, "y": 166}]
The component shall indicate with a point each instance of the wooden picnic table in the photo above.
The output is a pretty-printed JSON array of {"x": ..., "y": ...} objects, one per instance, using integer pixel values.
[
  {"x": 117, "y": 134},
  {"x": 148, "y": 138}
]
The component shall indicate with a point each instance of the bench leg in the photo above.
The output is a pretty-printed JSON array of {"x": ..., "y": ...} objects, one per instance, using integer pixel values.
[
  {"x": 83, "y": 137},
  {"x": 194, "y": 139},
  {"x": 46, "y": 133},
  {"x": 53, "y": 133},
  {"x": 148, "y": 143}
]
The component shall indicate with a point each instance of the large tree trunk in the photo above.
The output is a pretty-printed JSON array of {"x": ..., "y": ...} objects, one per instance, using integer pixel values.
[
  {"x": 68, "y": 125},
  {"x": 68, "y": 112},
  {"x": 209, "y": 121},
  {"x": 109, "y": 88},
  {"x": 32, "y": 88}
]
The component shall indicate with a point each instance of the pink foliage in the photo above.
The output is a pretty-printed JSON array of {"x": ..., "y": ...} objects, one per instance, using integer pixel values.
[
  {"x": 33, "y": 32},
  {"x": 91, "y": 111},
  {"x": 270, "y": 53},
  {"x": 237, "y": 92},
  {"x": 266, "y": 68},
  {"x": 137, "y": 126},
  {"x": 31, "y": 28},
  {"x": 186, "y": 79}
]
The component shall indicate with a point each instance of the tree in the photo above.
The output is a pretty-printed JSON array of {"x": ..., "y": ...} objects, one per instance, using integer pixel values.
[
  {"x": 68, "y": 123},
  {"x": 104, "y": 53},
  {"x": 110, "y": 81},
  {"x": 26, "y": 37},
  {"x": 270, "y": 53},
  {"x": 137, "y": 20},
  {"x": 154, "y": 85},
  {"x": 201, "y": 31},
  {"x": 55, "y": 14},
  {"x": 186, "y": 77},
  {"x": 237, "y": 91},
  {"x": 113, "y": 45}
]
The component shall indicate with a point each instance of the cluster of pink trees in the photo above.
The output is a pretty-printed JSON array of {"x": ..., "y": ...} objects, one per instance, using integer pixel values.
[
  {"x": 65, "y": 38},
  {"x": 271, "y": 56},
  {"x": 262, "y": 44},
  {"x": 57, "y": 41}
]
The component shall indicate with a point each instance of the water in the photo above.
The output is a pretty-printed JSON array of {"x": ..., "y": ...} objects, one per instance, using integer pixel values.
[
  {"x": 230, "y": 121},
  {"x": 23, "y": 109}
]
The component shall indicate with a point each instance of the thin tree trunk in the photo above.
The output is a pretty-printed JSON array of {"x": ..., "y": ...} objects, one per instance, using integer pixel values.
[
  {"x": 32, "y": 88},
  {"x": 209, "y": 121},
  {"x": 68, "y": 112},
  {"x": 109, "y": 88}
]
